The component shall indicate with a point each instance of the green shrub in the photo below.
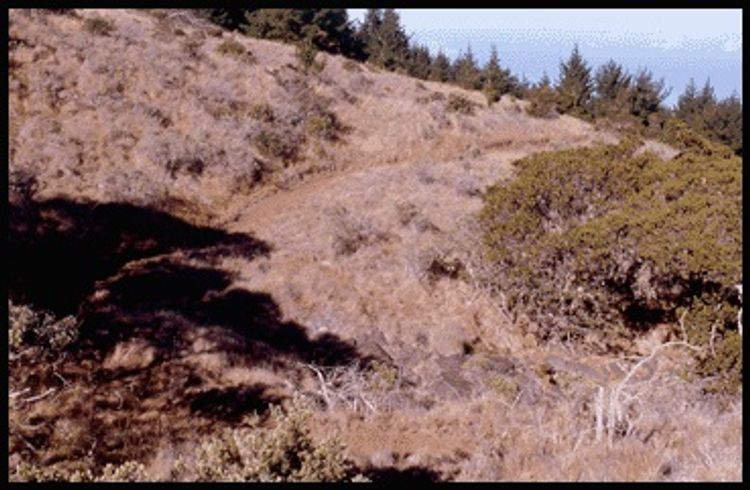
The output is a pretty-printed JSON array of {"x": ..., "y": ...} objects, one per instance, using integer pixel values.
[
  {"x": 230, "y": 47},
  {"x": 542, "y": 103},
  {"x": 492, "y": 95},
  {"x": 130, "y": 471},
  {"x": 275, "y": 145},
  {"x": 98, "y": 25},
  {"x": 433, "y": 97},
  {"x": 351, "y": 232},
  {"x": 306, "y": 54},
  {"x": 460, "y": 104},
  {"x": 30, "y": 327},
  {"x": 681, "y": 136},
  {"x": 283, "y": 452},
  {"x": 262, "y": 112},
  {"x": 323, "y": 124},
  {"x": 592, "y": 242}
]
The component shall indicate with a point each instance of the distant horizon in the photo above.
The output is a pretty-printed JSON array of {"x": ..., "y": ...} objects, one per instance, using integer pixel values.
[{"x": 704, "y": 44}]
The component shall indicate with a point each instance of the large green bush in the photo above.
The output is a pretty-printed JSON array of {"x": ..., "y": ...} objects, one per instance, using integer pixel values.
[{"x": 600, "y": 243}]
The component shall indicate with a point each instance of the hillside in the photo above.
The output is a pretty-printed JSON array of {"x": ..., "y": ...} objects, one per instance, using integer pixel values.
[{"x": 230, "y": 231}]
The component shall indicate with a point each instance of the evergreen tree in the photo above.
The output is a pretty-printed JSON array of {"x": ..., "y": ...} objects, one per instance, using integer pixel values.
[
  {"x": 495, "y": 81},
  {"x": 226, "y": 18},
  {"x": 466, "y": 72},
  {"x": 611, "y": 81},
  {"x": 719, "y": 120},
  {"x": 368, "y": 31},
  {"x": 386, "y": 42},
  {"x": 330, "y": 30},
  {"x": 326, "y": 29},
  {"x": 278, "y": 24},
  {"x": 707, "y": 96},
  {"x": 575, "y": 86},
  {"x": 544, "y": 82},
  {"x": 520, "y": 88},
  {"x": 612, "y": 85},
  {"x": 440, "y": 68},
  {"x": 725, "y": 122},
  {"x": 688, "y": 105},
  {"x": 647, "y": 95},
  {"x": 542, "y": 98},
  {"x": 419, "y": 62},
  {"x": 693, "y": 106}
]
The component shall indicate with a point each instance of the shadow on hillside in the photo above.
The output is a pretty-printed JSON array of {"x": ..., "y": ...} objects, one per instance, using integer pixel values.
[
  {"x": 180, "y": 309},
  {"x": 160, "y": 323},
  {"x": 59, "y": 248},
  {"x": 412, "y": 474}
]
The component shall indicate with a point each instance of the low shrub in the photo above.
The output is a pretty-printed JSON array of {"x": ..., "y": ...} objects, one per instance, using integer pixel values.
[
  {"x": 98, "y": 26},
  {"x": 262, "y": 112},
  {"x": 605, "y": 242},
  {"x": 542, "y": 103},
  {"x": 27, "y": 326},
  {"x": 130, "y": 471},
  {"x": 283, "y": 452},
  {"x": 460, "y": 105},
  {"x": 233, "y": 48},
  {"x": 272, "y": 144},
  {"x": 433, "y": 97},
  {"x": 323, "y": 124},
  {"x": 351, "y": 232},
  {"x": 306, "y": 54},
  {"x": 492, "y": 95},
  {"x": 192, "y": 166}
]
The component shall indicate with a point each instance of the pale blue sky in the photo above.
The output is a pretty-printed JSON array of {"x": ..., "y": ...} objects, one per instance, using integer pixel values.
[{"x": 674, "y": 44}]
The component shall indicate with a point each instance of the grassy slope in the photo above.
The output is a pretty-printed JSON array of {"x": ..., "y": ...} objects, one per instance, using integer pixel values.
[{"x": 357, "y": 231}]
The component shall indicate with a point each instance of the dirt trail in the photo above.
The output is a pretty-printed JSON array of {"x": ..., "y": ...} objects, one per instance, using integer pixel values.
[{"x": 400, "y": 218}]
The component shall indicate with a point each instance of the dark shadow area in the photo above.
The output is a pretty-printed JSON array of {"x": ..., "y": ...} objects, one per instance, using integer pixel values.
[
  {"x": 412, "y": 474},
  {"x": 59, "y": 248},
  {"x": 160, "y": 323},
  {"x": 231, "y": 404},
  {"x": 170, "y": 304}
]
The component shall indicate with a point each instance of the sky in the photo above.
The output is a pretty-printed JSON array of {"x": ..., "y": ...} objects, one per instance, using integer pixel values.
[{"x": 676, "y": 44}]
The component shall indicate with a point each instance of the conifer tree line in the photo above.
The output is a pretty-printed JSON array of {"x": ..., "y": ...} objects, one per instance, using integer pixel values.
[{"x": 608, "y": 91}]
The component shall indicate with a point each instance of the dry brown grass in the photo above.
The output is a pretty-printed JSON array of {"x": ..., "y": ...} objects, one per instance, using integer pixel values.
[{"x": 373, "y": 240}]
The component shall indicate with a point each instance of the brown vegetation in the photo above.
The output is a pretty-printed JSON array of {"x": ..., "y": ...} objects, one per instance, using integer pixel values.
[{"x": 224, "y": 270}]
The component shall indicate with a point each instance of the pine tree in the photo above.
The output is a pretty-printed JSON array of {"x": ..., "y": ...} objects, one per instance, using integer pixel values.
[
  {"x": 707, "y": 96},
  {"x": 719, "y": 120},
  {"x": 326, "y": 29},
  {"x": 688, "y": 105},
  {"x": 386, "y": 42},
  {"x": 495, "y": 81},
  {"x": 278, "y": 24},
  {"x": 725, "y": 122},
  {"x": 466, "y": 72},
  {"x": 520, "y": 88},
  {"x": 542, "y": 98},
  {"x": 419, "y": 62},
  {"x": 329, "y": 30},
  {"x": 611, "y": 80},
  {"x": 544, "y": 82},
  {"x": 647, "y": 95},
  {"x": 368, "y": 31},
  {"x": 226, "y": 18},
  {"x": 440, "y": 68},
  {"x": 575, "y": 85},
  {"x": 612, "y": 84}
]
